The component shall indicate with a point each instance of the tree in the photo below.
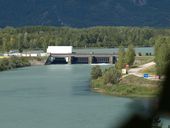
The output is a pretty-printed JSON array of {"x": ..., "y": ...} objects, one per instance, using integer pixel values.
[
  {"x": 111, "y": 76},
  {"x": 162, "y": 54},
  {"x": 96, "y": 72},
  {"x": 130, "y": 55},
  {"x": 121, "y": 58},
  {"x": 25, "y": 40}
]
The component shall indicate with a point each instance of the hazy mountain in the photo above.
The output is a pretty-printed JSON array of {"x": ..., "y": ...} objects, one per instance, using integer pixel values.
[{"x": 84, "y": 13}]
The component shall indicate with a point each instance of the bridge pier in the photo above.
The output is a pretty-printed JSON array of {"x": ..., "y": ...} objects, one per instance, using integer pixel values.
[
  {"x": 90, "y": 59},
  {"x": 111, "y": 59},
  {"x": 69, "y": 59}
]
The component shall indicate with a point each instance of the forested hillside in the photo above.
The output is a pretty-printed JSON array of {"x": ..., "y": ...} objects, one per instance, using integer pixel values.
[
  {"x": 85, "y": 13},
  {"x": 41, "y": 36}
]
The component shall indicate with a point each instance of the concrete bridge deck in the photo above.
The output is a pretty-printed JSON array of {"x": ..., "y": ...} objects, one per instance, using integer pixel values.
[{"x": 84, "y": 54}]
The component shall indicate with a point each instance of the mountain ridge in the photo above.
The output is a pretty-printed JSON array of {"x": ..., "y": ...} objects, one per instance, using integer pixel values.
[{"x": 80, "y": 13}]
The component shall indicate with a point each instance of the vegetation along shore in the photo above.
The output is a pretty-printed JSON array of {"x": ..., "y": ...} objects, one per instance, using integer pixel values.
[
  {"x": 7, "y": 63},
  {"x": 13, "y": 62},
  {"x": 113, "y": 82},
  {"x": 110, "y": 81}
]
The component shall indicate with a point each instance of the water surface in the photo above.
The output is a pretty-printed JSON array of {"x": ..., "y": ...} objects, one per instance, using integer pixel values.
[{"x": 56, "y": 96}]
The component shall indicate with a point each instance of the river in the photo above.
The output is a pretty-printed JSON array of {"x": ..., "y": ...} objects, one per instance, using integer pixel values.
[{"x": 56, "y": 96}]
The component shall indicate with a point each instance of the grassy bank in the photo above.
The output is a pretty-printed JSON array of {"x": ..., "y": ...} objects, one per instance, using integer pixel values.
[
  {"x": 130, "y": 86},
  {"x": 149, "y": 70},
  {"x": 140, "y": 60},
  {"x": 13, "y": 62}
]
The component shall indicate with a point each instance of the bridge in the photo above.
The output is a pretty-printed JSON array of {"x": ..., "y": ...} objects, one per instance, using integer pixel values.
[{"x": 82, "y": 58}]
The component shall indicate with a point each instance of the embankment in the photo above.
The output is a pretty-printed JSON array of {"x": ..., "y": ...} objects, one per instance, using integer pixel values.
[
  {"x": 19, "y": 62},
  {"x": 13, "y": 62},
  {"x": 131, "y": 86}
]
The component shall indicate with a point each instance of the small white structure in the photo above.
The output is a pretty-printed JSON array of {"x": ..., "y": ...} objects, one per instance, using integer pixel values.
[
  {"x": 37, "y": 53},
  {"x": 59, "y": 49},
  {"x": 124, "y": 71}
]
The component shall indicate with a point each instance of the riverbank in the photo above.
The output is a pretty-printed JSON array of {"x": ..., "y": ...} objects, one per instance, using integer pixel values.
[
  {"x": 37, "y": 61},
  {"x": 130, "y": 86},
  {"x": 13, "y": 62},
  {"x": 19, "y": 62}
]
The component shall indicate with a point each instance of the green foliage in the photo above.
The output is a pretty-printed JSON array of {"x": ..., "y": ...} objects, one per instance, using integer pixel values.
[
  {"x": 134, "y": 90},
  {"x": 127, "y": 57},
  {"x": 39, "y": 37},
  {"x": 121, "y": 58},
  {"x": 149, "y": 70},
  {"x": 129, "y": 86},
  {"x": 4, "y": 64},
  {"x": 134, "y": 80},
  {"x": 162, "y": 54},
  {"x": 13, "y": 62},
  {"x": 96, "y": 72},
  {"x": 111, "y": 76},
  {"x": 130, "y": 55}
]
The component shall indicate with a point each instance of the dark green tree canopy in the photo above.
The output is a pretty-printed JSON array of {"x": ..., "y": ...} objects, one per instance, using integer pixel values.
[{"x": 39, "y": 37}]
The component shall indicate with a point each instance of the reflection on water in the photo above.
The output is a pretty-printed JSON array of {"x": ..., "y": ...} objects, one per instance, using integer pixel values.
[{"x": 59, "y": 67}]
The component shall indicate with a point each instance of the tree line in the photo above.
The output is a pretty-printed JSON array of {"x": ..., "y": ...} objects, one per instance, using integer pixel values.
[{"x": 40, "y": 37}]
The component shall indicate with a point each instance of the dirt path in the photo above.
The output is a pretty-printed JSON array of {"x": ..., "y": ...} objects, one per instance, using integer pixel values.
[{"x": 136, "y": 71}]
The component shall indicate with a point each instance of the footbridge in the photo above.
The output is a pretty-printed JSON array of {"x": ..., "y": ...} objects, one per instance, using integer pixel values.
[{"x": 82, "y": 58}]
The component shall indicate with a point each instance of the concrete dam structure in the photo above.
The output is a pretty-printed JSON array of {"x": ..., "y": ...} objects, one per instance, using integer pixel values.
[
  {"x": 64, "y": 55},
  {"x": 81, "y": 58}
]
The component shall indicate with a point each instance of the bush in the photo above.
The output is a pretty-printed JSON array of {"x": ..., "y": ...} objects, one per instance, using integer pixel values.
[
  {"x": 13, "y": 62},
  {"x": 139, "y": 54},
  {"x": 96, "y": 72},
  {"x": 111, "y": 76}
]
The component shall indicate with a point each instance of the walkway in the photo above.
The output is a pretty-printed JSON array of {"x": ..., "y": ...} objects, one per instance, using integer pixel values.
[{"x": 136, "y": 71}]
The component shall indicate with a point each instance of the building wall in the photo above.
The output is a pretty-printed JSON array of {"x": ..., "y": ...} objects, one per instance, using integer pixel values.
[{"x": 59, "y": 49}]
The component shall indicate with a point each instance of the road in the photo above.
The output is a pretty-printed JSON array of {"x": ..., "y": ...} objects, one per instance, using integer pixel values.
[{"x": 136, "y": 71}]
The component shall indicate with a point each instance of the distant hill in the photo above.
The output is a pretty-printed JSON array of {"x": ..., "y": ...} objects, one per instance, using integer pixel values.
[{"x": 85, "y": 13}]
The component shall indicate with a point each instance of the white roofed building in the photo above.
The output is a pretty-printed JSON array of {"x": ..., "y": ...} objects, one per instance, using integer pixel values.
[{"x": 59, "y": 49}]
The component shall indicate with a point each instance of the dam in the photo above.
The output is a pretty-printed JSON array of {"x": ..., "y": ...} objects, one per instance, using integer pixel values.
[
  {"x": 81, "y": 58},
  {"x": 65, "y": 55}
]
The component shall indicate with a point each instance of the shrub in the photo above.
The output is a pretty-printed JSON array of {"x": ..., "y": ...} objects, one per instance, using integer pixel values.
[
  {"x": 111, "y": 76},
  {"x": 96, "y": 72},
  {"x": 13, "y": 62},
  {"x": 139, "y": 54}
]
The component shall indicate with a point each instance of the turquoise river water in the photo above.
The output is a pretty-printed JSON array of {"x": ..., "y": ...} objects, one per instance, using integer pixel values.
[{"x": 57, "y": 96}]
